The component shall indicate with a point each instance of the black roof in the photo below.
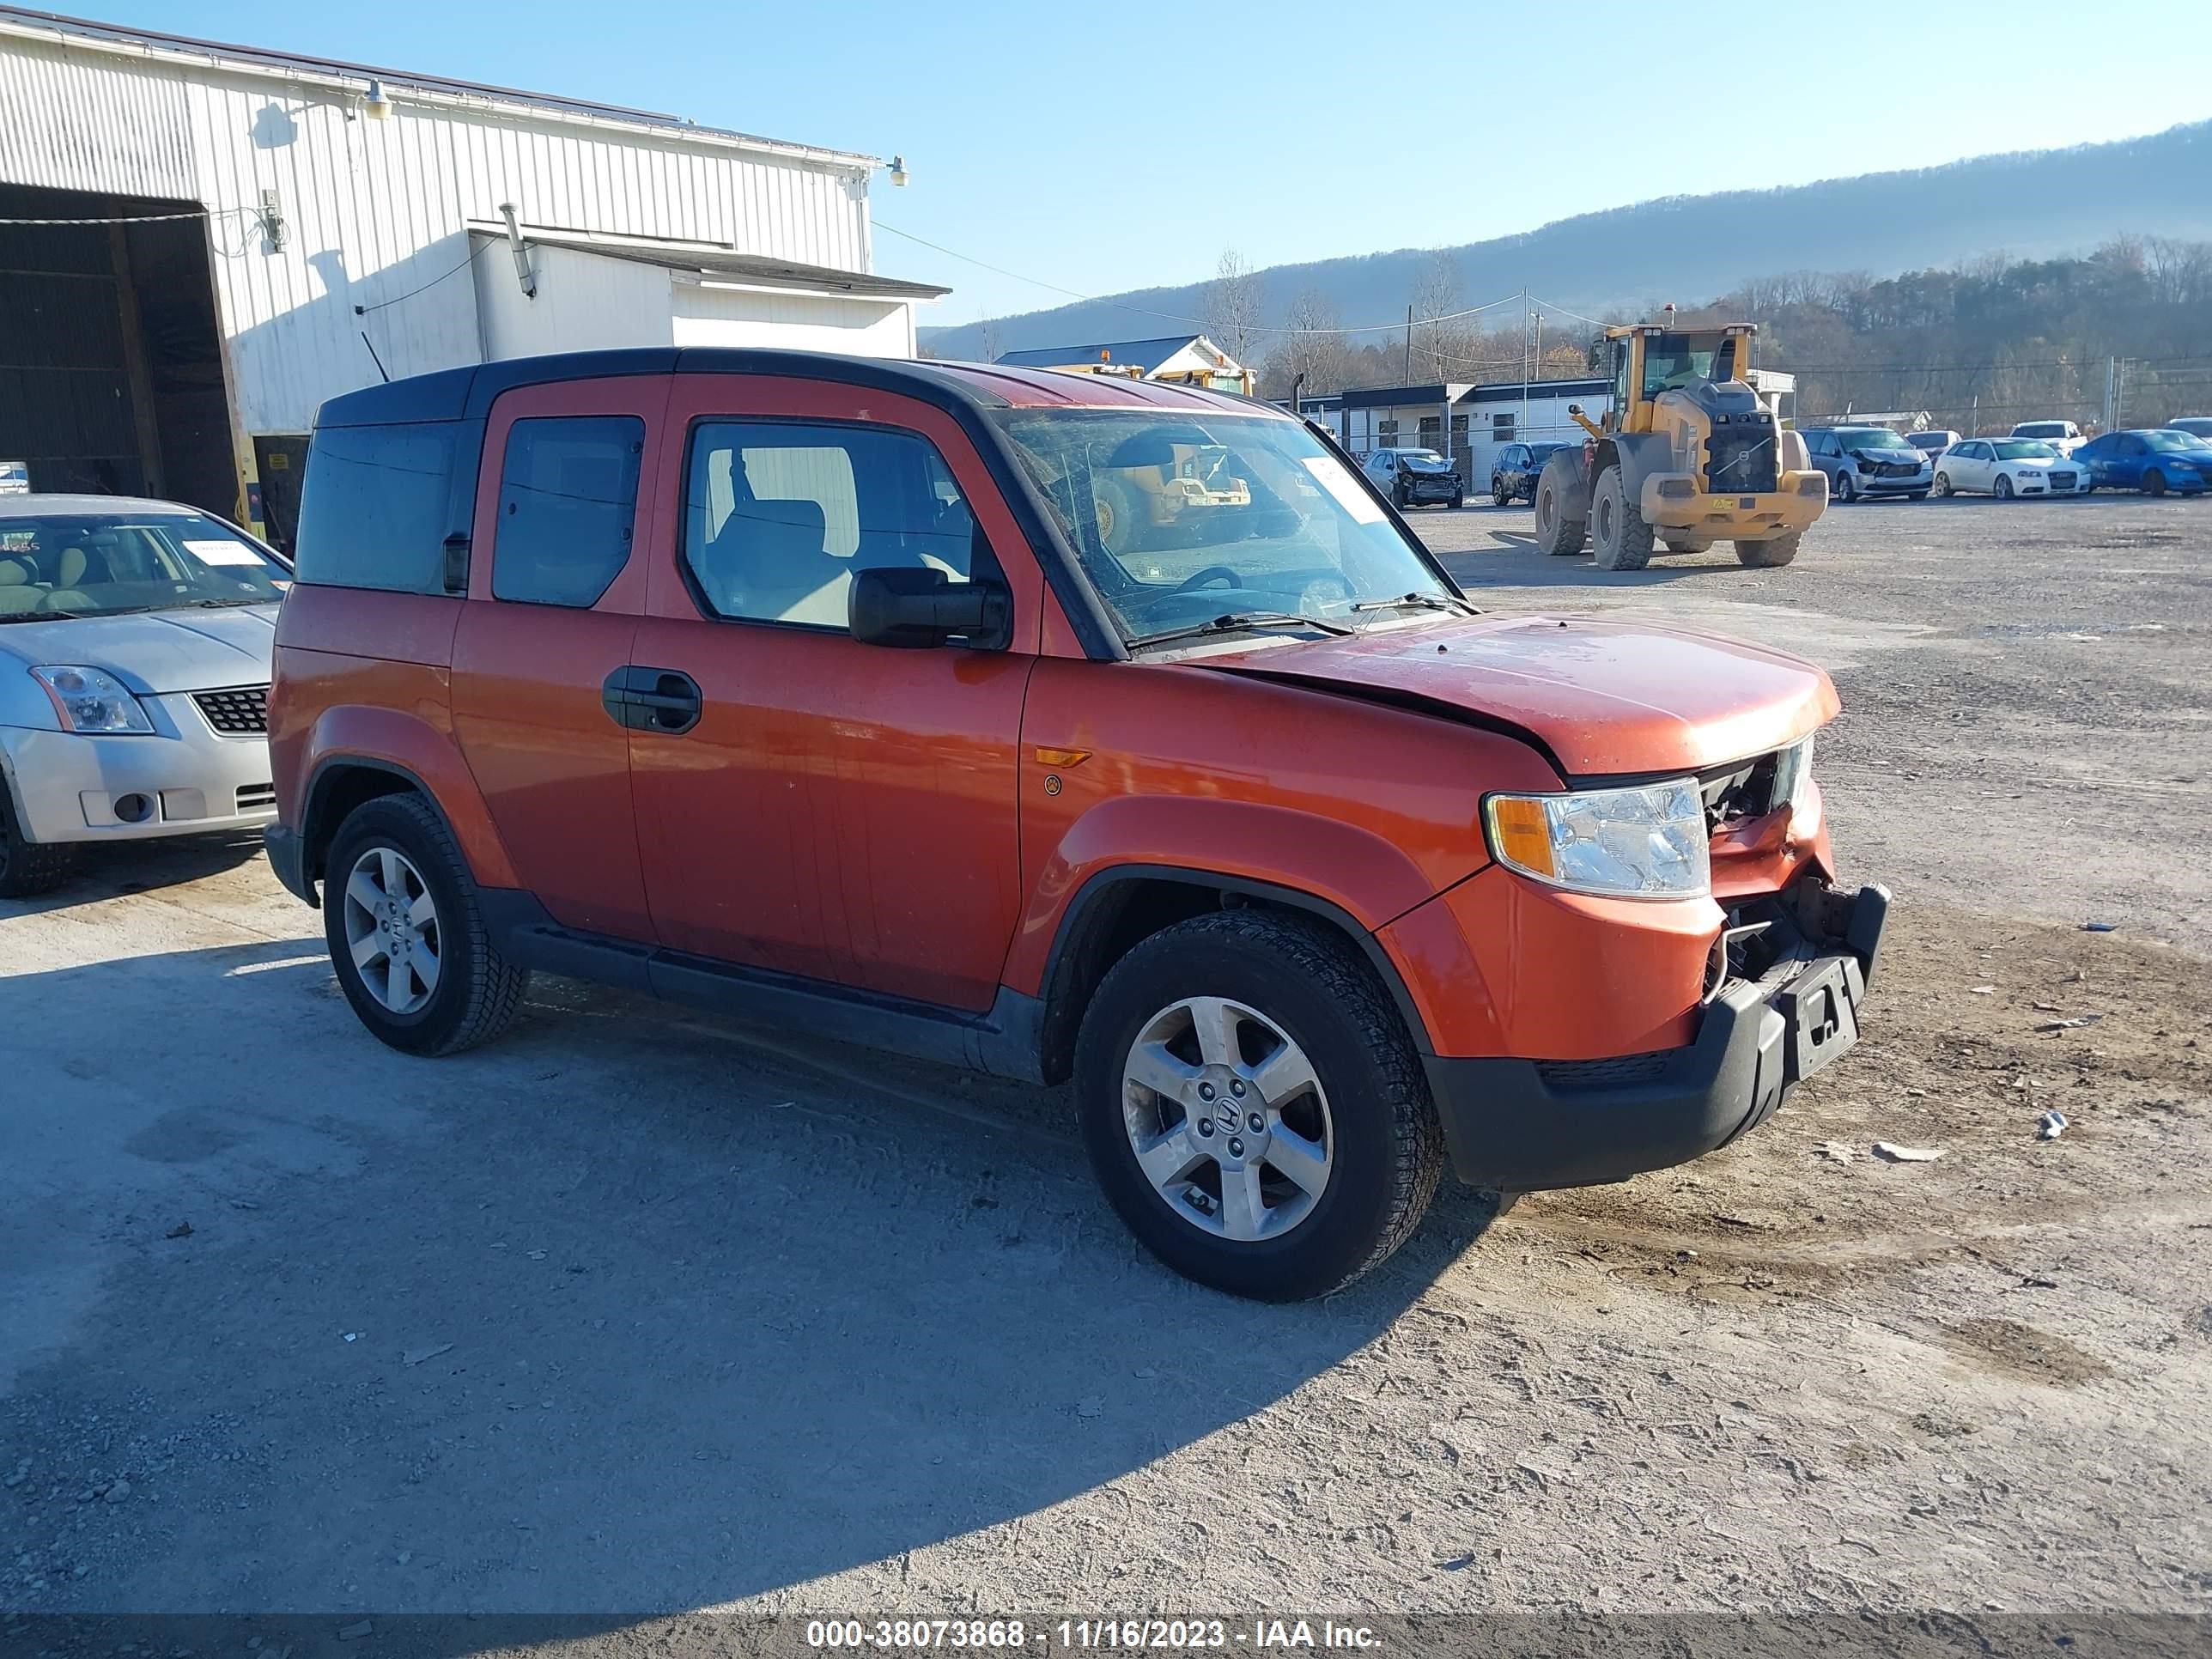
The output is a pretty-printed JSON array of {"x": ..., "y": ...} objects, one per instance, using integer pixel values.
[{"x": 466, "y": 393}]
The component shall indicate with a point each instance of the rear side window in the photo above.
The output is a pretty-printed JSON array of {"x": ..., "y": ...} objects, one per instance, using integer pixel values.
[
  {"x": 778, "y": 515},
  {"x": 376, "y": 505},
  {"x": 567, "y": 508}
]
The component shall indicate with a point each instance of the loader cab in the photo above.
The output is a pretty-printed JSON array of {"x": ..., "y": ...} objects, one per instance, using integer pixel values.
[{"x": 1648, "y": 361}]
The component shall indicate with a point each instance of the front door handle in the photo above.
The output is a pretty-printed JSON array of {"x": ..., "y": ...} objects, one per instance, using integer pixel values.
[{"x": 663, "y": 700}]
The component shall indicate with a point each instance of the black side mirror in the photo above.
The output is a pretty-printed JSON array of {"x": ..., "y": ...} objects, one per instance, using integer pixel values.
[
  {"x": 1574, "y": 408},
  {"x": 917, "y": 606}
]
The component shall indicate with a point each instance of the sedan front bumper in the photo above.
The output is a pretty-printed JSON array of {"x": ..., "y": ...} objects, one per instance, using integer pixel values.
[
  {"x": 70, "y": 788},
  {"x": 1527, "y": 1126}
]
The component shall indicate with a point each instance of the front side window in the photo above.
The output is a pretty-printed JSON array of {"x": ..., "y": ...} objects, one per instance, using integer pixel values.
[
  {"x": 103, "y": 564},
  {"x": 376, "y": 506},
  {"x": 567, "y": 508},
  {"x": 1180, "y": 520},
  {"x": 778, "y": 516}
]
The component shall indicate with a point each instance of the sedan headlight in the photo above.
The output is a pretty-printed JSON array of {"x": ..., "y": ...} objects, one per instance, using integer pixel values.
[
  {"x": 92, "y": 700},
  {"x": 1646, "y": 842}
]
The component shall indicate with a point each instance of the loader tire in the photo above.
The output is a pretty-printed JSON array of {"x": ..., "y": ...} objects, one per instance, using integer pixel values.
[
  {"x": 1765, "y": 556},
  {"x": 1620, "y": 538},
  {"x": 1556, "y": 534}
]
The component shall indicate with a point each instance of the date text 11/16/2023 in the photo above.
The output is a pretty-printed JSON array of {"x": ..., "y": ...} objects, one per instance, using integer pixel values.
[{"x": 1088, "y": 1635}]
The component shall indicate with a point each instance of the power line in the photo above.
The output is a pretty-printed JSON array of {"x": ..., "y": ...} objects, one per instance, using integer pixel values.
[
  {"x": 363, "y": 311},
  {"x": 119, "y": 219}
]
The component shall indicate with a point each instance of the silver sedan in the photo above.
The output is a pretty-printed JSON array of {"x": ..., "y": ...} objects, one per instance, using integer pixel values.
[{"x": 135, "y": 642}]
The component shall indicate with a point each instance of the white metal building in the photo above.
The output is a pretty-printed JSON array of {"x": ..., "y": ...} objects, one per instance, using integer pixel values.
[{"x": 243, "y": 233}]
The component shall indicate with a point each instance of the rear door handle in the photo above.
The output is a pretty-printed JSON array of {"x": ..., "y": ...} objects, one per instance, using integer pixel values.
[{"x": 663, "y": 700}]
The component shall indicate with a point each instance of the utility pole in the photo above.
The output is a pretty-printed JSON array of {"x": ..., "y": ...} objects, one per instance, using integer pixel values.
[
  {"x": 1409, "y": 345},
  {"x": 2112, "y": 374}
]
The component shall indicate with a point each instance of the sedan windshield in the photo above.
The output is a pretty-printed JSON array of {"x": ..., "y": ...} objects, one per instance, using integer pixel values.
[
  {"x": 2167, "y": 441},
  {"x": 1420, "y": 455},
  {"x": 2020, "y": 449},
  {"x": 101, "y": 564},
  {"x": 1179, "y": 519},
  {"x": 1868, "y": 437}
]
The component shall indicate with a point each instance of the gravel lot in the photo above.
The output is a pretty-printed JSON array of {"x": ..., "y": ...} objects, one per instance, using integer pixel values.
[{"x": 634, "y": 1313}]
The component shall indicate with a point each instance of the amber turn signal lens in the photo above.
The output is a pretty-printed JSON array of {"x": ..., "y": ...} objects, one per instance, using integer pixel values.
[{"x": 1522, "y": 833}]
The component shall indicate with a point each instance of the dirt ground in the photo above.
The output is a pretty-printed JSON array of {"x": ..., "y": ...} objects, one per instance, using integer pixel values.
[{"x": 636, "y": 1313}]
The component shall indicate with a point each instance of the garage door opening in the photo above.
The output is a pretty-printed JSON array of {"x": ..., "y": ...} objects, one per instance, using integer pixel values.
[{"x": 111, "y": 358}]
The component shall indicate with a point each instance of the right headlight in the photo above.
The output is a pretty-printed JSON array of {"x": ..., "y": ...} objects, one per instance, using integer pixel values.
[
  {"x": 1793, "y": 771},
  {"x": 1643, "y": 843},
  {"x": 92, "y": 700}
]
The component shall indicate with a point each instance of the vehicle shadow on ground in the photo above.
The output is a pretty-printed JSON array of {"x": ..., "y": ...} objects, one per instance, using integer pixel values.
[
  {"x": 1518, "y": 561},
  {"x": 624, "y": 1311},
  {"x": 110, "y": 871}
]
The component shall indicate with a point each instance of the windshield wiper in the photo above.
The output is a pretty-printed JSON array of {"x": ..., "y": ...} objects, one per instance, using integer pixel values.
[
  {"x": 45, "y": 616},
  {"x": 1237, "y": 620},
  {"x": 1421, "y": 601}
]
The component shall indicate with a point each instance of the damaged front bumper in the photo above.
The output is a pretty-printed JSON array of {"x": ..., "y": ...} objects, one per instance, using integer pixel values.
[{"x": 1526, "y": 1125}]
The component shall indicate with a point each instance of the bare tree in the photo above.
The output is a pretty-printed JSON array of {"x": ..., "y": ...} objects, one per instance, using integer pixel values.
[
  {"x": 1313, "y": 348},
  {"x": 1231, "y": 311},
  {"x": 1444, "y": 345},
  {"x": 988, "y": 344}
]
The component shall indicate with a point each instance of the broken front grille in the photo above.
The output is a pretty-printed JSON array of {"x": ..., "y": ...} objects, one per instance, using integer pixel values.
[
  {"x": 1745, "y": 790},
  {"x": 242, "y": 711}
]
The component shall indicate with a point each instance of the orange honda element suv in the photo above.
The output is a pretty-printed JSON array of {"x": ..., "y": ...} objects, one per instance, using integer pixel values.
[{"x": 813, "y": 689}]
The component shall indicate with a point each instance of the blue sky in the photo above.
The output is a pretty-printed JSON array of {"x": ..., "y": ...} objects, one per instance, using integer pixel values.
[{"x": 1102, "y": 148}]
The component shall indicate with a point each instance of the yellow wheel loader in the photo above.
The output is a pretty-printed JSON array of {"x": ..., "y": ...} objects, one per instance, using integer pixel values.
[{"x": 1688, "y": 456}]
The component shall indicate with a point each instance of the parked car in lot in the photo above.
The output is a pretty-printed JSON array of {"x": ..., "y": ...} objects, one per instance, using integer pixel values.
[
  {"x": 804, "y": 687},
  {"x": 2006, "y": 467},
  {"x": 15, "y": 478},
  {"x": 1868, "y": 460},
  {"x": 1411, "y": 478},
  {"x": 2154, "y": 461},
  {"x": 1513, "y": 475},
  {"x": 135, "y": 640},
  {"x": 2063, "y": 436},
  {"x": 2197, "y": 426},
  {"x": 1934, "y": 441}
]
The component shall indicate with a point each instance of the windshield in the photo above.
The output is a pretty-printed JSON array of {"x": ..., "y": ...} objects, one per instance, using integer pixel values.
[
  {"x": 2015, "y": 449},
  {"x": 1868, "y": 437},
  {"x": 1179, "y": 519},
  {"x": 96, "y": 564},
  {"x": 1419, "y": 455},
  {"x": 2172, "y": 440},
  {"x": 1671, "y": 362}
]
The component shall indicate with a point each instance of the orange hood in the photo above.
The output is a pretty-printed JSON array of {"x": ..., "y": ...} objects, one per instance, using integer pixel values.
[{"x": 1605, "y": 698}]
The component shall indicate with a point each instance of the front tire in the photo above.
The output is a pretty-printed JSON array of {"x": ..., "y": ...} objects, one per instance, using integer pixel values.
[
  {"x": 1347, "y": 1151},
  {"x": 1620, "y": 538},
  {"x": 27, "y": 868},
  {"x": 1943, "y": 485},
  {"x": 407, "y": 936},
  {"x": 1499, "y": 496},
  {"x": 2002, "y": 489},
  {"x": 1847, "y": 489},
  {"x": 1458, "y": 500},
  {"x": 1556, "y": 534},
  {"x": 2154, "y": 483}
]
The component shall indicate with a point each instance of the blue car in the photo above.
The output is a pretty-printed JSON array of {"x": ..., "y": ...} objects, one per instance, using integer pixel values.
[{"x": 2153, "y": 461}]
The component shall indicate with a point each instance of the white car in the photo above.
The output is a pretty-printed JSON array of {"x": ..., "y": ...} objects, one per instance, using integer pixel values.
[
  {"x": 2063, "y": 436},
  {"x": 1934, "y": 441},
  {"x": 135, "y": 644},
  {"x": 2006, "y": 467}
]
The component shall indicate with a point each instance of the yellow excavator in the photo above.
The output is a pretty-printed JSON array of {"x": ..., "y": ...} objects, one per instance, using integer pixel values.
[{"x": 1688, "y": 456}]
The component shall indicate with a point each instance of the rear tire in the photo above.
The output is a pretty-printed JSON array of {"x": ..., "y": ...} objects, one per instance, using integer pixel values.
[
  {"x": 1766, "y": 555},
  {"x": 472, "y": 993},
  {"x": 1353, "y": 1089},
  {"x": 27, "y": 868},
  {"x": 1916, "y": 494},
  {"x": 1619, "y": 539},
  {"x": 1556, "y": 533},
  {"x": 1120, "y": 516}
]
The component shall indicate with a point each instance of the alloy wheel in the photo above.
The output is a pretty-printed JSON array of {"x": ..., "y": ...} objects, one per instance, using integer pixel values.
[
  {"x": 392, "y": 930},
  {"x": 1227, "y": 1119}
]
